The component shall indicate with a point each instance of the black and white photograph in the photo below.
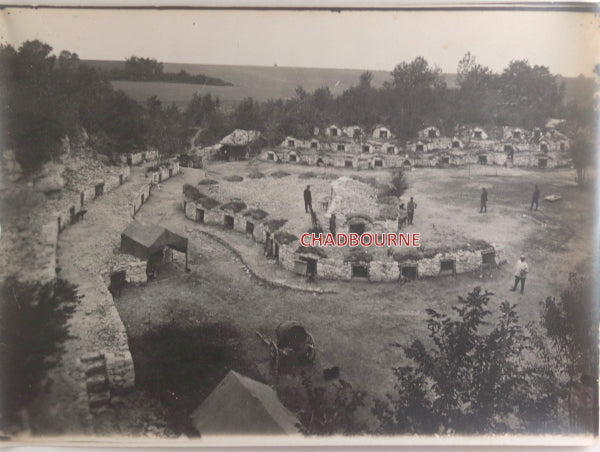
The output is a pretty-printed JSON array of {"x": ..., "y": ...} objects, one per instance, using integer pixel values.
[{"x": 271, "y": 226}]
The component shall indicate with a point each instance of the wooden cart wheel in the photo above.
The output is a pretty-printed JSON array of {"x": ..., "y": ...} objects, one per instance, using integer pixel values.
[{"x": 310, "y": 352}]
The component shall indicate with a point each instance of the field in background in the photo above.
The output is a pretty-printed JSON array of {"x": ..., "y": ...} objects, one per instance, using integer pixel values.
[{"x": 271, "y": 82}]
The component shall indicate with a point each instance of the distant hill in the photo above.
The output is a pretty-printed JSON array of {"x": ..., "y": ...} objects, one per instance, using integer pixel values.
[
  {"x": 276, "y": 82},
  {"x": 149, "y": 70}
]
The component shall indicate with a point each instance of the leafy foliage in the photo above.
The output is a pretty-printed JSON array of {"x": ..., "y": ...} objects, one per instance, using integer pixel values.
[
  {"x": 571, "y": 322},
  {"x": 331, "y": 409},
  {"x": 34, "y": 318},
  {"x": 474, "y": 378},
  {"x": 150, "y": 70}
]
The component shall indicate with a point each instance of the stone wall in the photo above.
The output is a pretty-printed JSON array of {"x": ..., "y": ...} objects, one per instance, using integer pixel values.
[
  {"x": 64, "y": 218},
  {"x": 135, "y": 269},
  {"x": 379, "y": 270}
]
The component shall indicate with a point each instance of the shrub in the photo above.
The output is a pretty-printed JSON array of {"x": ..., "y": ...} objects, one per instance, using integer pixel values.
[
  {"x": 207, "y": 202},
  {"x": 256, "y": 214},
  {"x": 472, "y": 376},
  {"x": 328, "y": 176},
  {"x": 312, "y": 250},
  {"x": 284, "y": 237},
  {"x": 180, "y": 366},
  {"x": 274, "y": 224},
  {"x": 256, "y": 175},
  {"x": 398, "y": 185},
  {"x": 357, "y": 255},
  {"x": 34, "y": 327},
  {"x": 372, "y": 181},
  {"x": 235, "y": 205},
  {"x": 280, "y": 174},
  {"x": 307, "y": 175},
  {"x": 233, "y": 178},
  {"x": 208, "y": 182},
  {"x": 191, "y": 193}
]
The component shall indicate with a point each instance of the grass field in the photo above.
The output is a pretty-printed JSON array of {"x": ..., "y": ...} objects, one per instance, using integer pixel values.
[
  {"x": 270, "y": 82},
  {"x": 356, "y": 327}
]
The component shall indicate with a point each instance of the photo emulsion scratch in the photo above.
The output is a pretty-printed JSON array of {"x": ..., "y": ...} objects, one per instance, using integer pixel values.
[{"x": 298, "y": 226}]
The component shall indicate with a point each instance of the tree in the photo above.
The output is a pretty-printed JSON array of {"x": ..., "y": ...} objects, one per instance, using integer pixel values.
[
  {"x": 474, "y": 97},
  {"x": 571, "y": 323},
  {"x": 358, "y": 104},
  {"x": 415, "y": 92},
  {"x": 325, "y": 409},
  {"x": 398, "y": 182},
  {"x": 530, "y": 94},
  {"x": 34, "y": 318},
  {"x": 473, "y": 378}
]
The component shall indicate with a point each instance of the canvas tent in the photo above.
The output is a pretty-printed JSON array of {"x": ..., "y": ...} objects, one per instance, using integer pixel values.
[
  {"x": 243, "y": 406},
  {"x": 145, "y": 240},
  {"x": 239, "y": 143}
]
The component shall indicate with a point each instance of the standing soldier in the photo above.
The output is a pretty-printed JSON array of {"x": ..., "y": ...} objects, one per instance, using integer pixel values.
[
  {"x": 410, "y": 210},
  {"x": 521, "y": 270},
  {"x": 484, "y": 197},
  {"x": 332, "y": 225},
  {"x": 535, "y": 198},
  {"x": 308, "y": 200}
]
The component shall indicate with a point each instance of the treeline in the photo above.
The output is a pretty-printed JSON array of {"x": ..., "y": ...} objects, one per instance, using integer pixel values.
[
  {"x": 149, "y": 70},
  {"x": 46, "y": 98}
]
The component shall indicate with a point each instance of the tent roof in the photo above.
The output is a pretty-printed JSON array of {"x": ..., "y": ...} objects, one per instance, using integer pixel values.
[
  {"x": 240, "y": 137},
  {"x": 153, "y": 236},
  {"x": 243, "y": 406},
  {"x": 144, "y": 234}
]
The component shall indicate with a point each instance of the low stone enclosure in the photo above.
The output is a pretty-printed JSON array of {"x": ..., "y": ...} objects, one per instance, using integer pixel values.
[
  {"x": 352, "y": 147},
  {"x": 421, "y": 159},
  {"x": 388, "y": 265},
  {"x": 137, "y": 158},
  {"x": 106, "y": 368}
]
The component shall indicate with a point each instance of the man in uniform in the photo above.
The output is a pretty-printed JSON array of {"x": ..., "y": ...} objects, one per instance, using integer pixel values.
[
  {"x": 332, "y": 225},
  {"x": 410, "y": 210},
  {"x": 484, "y": 197},
  {"x": 308, "y": 200},
  {"x": 536, "y": 197},
  {"x": 521, "y": 270}
]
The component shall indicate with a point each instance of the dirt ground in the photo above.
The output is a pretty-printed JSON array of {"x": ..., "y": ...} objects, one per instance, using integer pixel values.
[{"x": 355, "y": 328}]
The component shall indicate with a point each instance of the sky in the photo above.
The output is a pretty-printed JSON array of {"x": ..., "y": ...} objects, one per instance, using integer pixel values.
[{"x": 566, "y": 42}]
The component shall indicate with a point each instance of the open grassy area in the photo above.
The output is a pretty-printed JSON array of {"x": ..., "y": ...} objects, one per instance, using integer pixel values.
[{"x": 356, "y": 327}]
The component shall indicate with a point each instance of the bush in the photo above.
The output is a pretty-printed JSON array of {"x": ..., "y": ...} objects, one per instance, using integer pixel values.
[
  {"x": 274, "y": 224},
  {"x": 153, "y": 169},
  {"x": 307, "y": 175},
  {"x": 235, "y": 205},
  {"x": 34, "y": 327},
  {"x": 191, "y": 193},
  {"x": 280, "y": 174},
  {"x": 256, "y": 175},
  {"x": 181, "y": 366},
  {"x": 285, "y": 238},
  {"x": 208, "y": 182},
  {"x": 255, "y": 214},
  {"x": 357, "y": 255},
  {"x": 372, "y": 181},
  {"x": 312, "y": 250},
  {"x": 398, "y": 185},
  {"x": 328, "y": 176},
  {"x": 472, "y": 376},
  {"x": 233, "y": 178}
]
